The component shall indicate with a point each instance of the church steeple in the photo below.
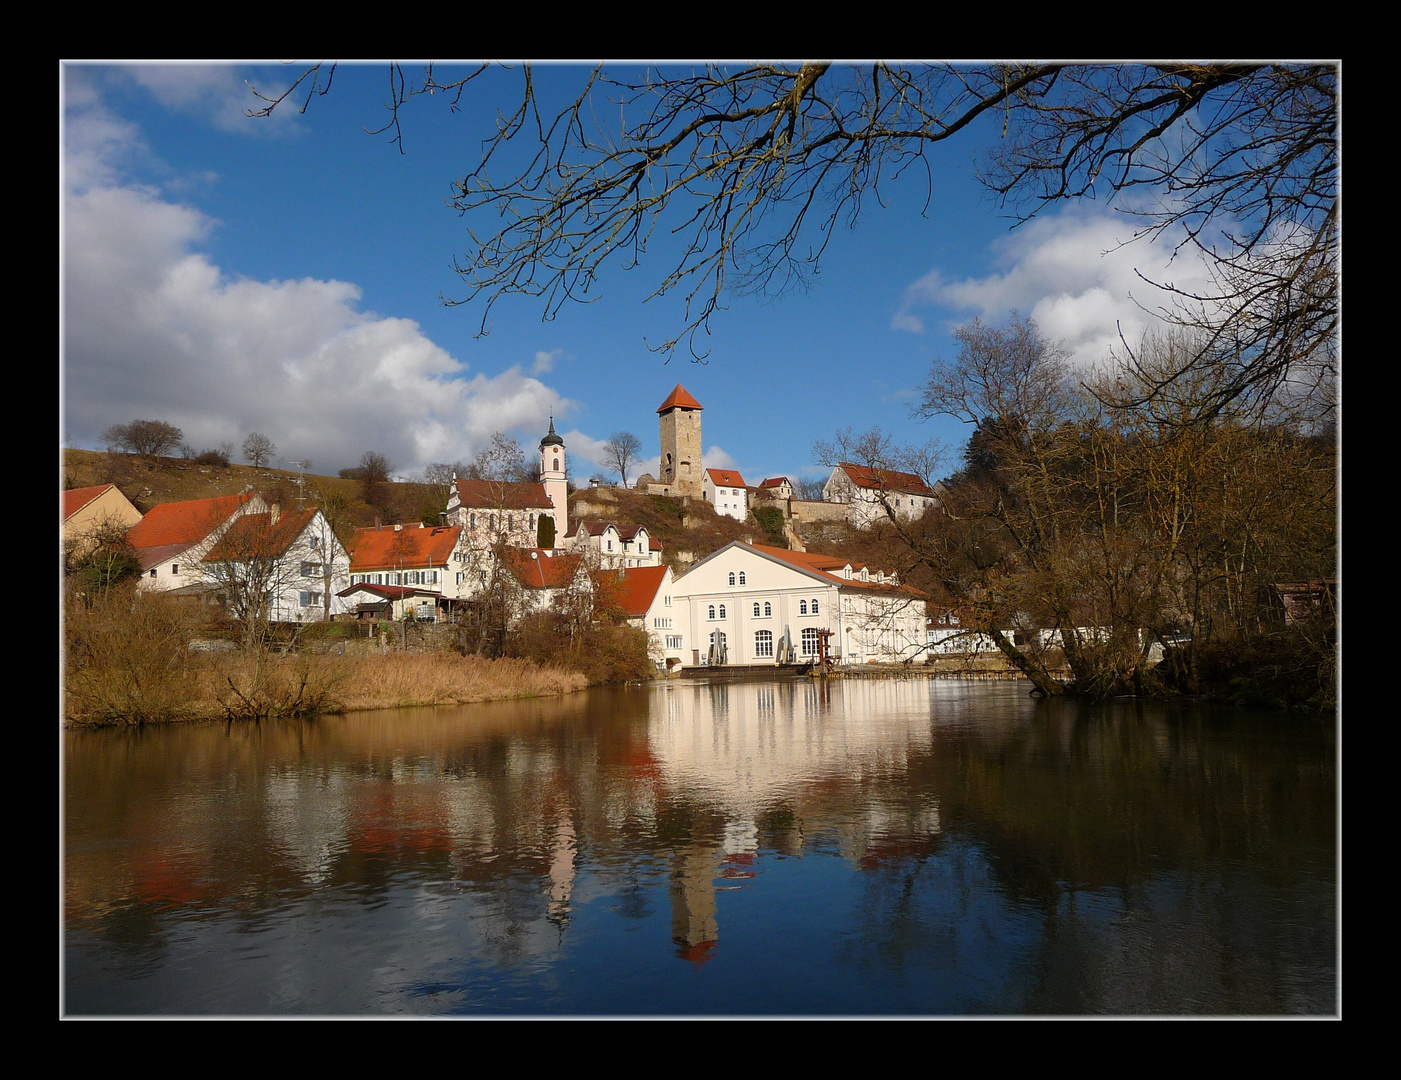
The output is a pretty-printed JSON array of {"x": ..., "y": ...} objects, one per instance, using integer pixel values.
[{"x": 555, "y": 477}]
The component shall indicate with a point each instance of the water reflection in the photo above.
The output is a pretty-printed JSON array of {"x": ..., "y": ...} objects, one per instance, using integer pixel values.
[{"x": 889, "y": 846}]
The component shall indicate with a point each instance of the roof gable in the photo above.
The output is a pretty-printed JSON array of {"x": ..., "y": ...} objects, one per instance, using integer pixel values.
[
  {"x": 76, "y": 498},
  {"x": 260, "y": 536},
  {"x": 635, "y": 589}
]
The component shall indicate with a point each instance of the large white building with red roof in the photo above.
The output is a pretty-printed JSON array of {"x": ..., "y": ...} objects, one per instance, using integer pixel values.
[{"x": 755, "y": 605}]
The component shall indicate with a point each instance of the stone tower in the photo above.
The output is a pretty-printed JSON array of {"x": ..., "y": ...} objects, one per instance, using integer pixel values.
[
  {"x": 680, "y": 425},
  {"x": 555, "y": 480}
]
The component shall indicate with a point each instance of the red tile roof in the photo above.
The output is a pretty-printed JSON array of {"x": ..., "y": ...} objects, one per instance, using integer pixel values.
[
  {"x": 257, "y": 536},
  {"x": 636, "y": 588},
  {"x": 545, "y": 570},
  {"x": 773, "y": 482},
  {"x": 181, "y": 525},
  {"x": 77, "y": 498},
  {"x": 679, "y": 399},
  {"x": 727, "y": 477},
  {"x": 502, "y": 495},
  {"x": 409, "y": 548},
  {"x": 885, "y": 479}
]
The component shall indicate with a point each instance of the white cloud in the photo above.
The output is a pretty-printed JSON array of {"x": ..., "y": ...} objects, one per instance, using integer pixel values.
[
  {"x": 153, "y": 329},
  {"x": 545, "y": 361},
  {"x": 1073, "y": 274},
  {"x": 218, "y": 93}
]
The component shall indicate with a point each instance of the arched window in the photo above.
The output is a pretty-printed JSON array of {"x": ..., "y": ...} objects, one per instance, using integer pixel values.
[
  {"x": 813, "y": 609},
  {"x": 756, "y": 611},
  {"x": 763, "y": 643},
  {"x": 802, "y": 607},
  {"x": 809, "y": 642},
  {"x": 768, "y": 610},
  {"x": 741, "y": 577},
  {"x": 732, "y": 577},
  {"x": 722, "y": 611},
  {"x": 556, "y": 464}
]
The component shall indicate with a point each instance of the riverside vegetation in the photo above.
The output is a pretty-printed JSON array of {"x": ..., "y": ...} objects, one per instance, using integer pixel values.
[{"x": 137, "y": 659}]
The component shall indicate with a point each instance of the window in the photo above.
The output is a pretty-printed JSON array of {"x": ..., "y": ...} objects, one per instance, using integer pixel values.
[
  {"x": 667, "y": 601},
  {"x": 175, "y": 568},
  {"x": 741, "y": 577},
  {"x": 756, "y": 611},
  {"x": 809, "y": 642},
  {"x": 763, "y": 643},
  {"x": 732, "y": 577},
  {"x": 802, "y": 607},
  {"x": 673, "y": 642},
  {"x": 153, "y": 571},
  {"x": 722, "y": 611},
  {"x": 472, "y": 521},
  {"x": 710, "y": 610},
  {"x": 812, "y": 608},
  {"x": 768, "y": 610}
]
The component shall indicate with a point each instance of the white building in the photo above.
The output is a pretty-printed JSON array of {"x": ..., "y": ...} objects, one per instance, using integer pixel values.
[
  {"x": 725, "y": 490},
  {"x": 868, "y": 491},
  {"x": 614, "y": 547},
  {"x": 750, "y": 604},
  {"x": 172, "y": 539},
  {"x": 289, "y": 563}
]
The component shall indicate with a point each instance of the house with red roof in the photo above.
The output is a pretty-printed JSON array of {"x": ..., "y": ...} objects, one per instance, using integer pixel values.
[
  {"x": 172, "y": 539},
  {"x": 547, "y": 578},
  {"x": 644, "y": 594},
  {"x": 726, "y": 490},
  {"x": 282, "y": 566},
  {"x": 88, "y": 512},
  {"x": 869, "y": 491},
  {"x": 756, "y": 605}
]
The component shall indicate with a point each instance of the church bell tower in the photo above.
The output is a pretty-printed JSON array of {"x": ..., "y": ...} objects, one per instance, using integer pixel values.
[{"x": 554, "y": 477}]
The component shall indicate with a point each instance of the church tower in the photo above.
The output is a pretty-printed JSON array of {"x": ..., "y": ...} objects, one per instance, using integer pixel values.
[
  {"x": 554, "y": 479},
  {"x": 680, "y": 427}
]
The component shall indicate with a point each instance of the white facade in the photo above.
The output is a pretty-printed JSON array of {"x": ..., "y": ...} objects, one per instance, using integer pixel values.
[
  {"x": 866, "y": 492},
  {"x": 742, "y": 604},
  {"x": 725, "y": 490},
  {"x": 614, "y": 547}
]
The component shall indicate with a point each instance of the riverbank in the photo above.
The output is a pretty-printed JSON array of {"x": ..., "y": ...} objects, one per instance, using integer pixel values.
[{"x": 237, "y": 686}]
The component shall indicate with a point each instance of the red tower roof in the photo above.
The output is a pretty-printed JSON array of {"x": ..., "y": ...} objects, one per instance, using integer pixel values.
[{"x": 679, "y": 399}]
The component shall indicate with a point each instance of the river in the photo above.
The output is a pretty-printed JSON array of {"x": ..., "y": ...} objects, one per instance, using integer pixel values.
[{"x": 869, "y": 847}]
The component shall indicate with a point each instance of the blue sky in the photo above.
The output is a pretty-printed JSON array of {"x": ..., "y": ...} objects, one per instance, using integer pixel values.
[{"x": 286, "y": 276}]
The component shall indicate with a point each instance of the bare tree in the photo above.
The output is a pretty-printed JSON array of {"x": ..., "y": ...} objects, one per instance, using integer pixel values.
[
  {"x": 503, "y": 460},
  {"x": 755, "y": 167},
  {"x": 621, "y": 452},
  {"x": 258, "y": 450},
  {"x": 151, "y": 438},
  {"x": 372, "y": 472}
]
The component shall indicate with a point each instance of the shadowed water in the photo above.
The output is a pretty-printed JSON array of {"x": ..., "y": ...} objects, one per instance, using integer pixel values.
[{"x": 893, "y": 846}]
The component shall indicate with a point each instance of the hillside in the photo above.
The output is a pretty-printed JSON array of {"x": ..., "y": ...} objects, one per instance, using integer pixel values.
[{"x": 148, "y": 482}]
